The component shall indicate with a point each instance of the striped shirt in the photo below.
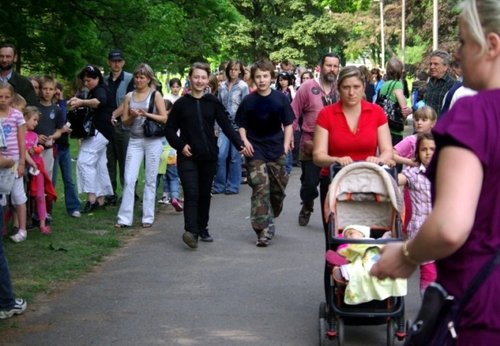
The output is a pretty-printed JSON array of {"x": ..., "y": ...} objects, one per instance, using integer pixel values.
[{"x": 10, "y": 125}]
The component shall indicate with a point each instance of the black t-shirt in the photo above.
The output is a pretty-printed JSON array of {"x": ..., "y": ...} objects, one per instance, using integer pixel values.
[
  {"x": 263, "y": 118},
  {"x": 51, "y": 119},
  {"x": 102, "y": 114}
]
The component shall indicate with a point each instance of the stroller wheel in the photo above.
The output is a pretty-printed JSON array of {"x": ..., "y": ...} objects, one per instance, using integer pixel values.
[
  {"x": 340, "y": 332},
  {"x": 391, "y": 332}
]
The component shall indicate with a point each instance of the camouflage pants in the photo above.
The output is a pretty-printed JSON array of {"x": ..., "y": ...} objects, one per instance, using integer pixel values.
[{"x": 268, "y": 181}]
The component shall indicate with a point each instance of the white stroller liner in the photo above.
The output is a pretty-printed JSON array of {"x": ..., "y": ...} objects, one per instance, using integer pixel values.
[{"x": 363, "y": 193}]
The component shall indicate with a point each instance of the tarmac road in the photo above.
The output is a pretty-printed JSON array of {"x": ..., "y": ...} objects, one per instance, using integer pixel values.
[{"x": 156, "y": 291}]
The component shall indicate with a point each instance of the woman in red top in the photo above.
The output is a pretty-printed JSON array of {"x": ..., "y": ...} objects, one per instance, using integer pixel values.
[
  {"x": 352, "y": 129},
  {"x": 347, "y": 131}
]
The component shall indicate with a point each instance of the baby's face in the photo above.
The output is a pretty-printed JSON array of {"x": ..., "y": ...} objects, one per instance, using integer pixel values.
[{"x": 353, "y": 234}]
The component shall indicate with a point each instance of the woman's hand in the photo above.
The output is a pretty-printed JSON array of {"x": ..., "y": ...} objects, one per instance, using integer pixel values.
[
  {"x": 344, "y": 161},
  {"x": 134, "y": 112},
  {"x": 186, "y": 151},
  {"x": 377, "y": 160},
  {"x": 392, "y": 263},
  {"x": 74, "y": 102}
]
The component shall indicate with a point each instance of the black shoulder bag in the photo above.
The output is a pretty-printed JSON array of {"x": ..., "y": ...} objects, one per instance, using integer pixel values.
[
  {"x": 392, "y": 109},
  {"x": 151, "y": 127},
  {"x": 437, "y": 319}
]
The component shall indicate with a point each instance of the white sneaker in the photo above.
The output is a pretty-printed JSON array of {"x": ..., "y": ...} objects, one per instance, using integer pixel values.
[
  {"x": 164, "y": 200},
  {"x": 19, "y": 307},
  {"x": 20, "y": 236},
  {"x": 76, "y": 214}
]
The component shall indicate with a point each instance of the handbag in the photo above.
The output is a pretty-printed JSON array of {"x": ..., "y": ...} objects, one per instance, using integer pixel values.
[
  {"x": 392, "y": 110},
  {"x": 151, "y": 127},
  {"x": 82, "y": 122},
  {"x": 436, "y": 321}
]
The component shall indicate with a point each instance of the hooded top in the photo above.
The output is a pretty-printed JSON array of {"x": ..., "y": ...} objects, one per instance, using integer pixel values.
[{"x": 195, "y": 118}]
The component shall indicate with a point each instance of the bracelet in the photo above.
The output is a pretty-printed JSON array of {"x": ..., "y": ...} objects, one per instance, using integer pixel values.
[{"x": 406, "y": 254}]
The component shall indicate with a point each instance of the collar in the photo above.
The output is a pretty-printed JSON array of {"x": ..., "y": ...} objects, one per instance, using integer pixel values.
[
  {"x": 421, "y": 168},
  {"x": 8, "y": 76},
  {"x": 120, "y": 77}
]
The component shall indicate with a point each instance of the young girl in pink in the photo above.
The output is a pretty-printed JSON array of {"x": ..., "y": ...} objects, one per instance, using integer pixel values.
[
  {"x": 13, "y": 127},
  {"x": 420, "y": 194},
  {"x": 40, "y": 185}
]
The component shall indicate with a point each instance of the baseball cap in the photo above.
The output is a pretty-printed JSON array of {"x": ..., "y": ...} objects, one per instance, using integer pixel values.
[{"x": 115, "y": 54}]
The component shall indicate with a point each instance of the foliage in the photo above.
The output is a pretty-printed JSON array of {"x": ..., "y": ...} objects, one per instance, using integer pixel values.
[{"x": 60, "y": 37}]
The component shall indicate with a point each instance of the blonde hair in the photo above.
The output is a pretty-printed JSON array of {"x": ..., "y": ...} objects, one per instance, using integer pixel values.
[
  {"x": 425, "y": 113},
  {"x": 481, "y": 17},
  {"x": 147, "y": 71},
  {"x": 30, "y": 111},
  {"x": 18, "y": 102}
]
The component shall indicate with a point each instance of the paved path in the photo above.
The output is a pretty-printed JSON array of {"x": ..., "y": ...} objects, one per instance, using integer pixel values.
[{"x": 156, "y": 291}]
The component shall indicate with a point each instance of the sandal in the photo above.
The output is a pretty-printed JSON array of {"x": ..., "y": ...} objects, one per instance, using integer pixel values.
[
  {"x": 147, "y": 225},
  {"x": 118, "y": 225}
]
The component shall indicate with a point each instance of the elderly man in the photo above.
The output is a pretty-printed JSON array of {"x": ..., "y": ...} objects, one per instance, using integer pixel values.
[
  {"x": 311, "y": 97},
  {"x": 440, "y": 80}
]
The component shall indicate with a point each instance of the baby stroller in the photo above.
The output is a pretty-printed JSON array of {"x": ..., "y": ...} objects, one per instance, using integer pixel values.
[{"x": 361, "y": 193}]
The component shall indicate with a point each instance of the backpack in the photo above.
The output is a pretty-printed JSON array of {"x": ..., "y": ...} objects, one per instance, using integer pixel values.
[{"x": 391, "y": 109}]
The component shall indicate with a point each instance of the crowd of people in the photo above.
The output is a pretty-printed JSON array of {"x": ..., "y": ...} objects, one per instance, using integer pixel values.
[{"x": 251, "y": 118}]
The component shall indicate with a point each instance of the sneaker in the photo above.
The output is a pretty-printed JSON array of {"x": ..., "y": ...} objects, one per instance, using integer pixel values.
[
  {"x": 262, "y": 242},
  {"x": 20, "y": 236},
  {"x": 76, "y": 214},
  {"x": 164, "y": 200},
  {"x": 271, "y": 230},
  {"x": 206, "y": 237},
  {"x": 177, "y": 205},
  {"x": 19, "y": 307},
  {"x": 305, "y": 214},
  {"x": 190, "y": 240},
  {"x": 262, "y": 239}
]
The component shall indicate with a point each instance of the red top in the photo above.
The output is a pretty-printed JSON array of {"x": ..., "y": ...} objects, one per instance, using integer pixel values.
[{"x": 342, "y": 141}]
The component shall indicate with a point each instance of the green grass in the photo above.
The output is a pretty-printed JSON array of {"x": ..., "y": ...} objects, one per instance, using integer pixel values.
[{"x": 41, "y": 263}]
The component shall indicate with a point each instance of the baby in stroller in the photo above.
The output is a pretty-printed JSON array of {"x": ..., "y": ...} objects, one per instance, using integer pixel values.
[{"x": 354, "y": 273}]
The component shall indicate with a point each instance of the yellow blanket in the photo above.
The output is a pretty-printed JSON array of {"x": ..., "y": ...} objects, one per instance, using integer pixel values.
[{"x": 363, "y": 287}]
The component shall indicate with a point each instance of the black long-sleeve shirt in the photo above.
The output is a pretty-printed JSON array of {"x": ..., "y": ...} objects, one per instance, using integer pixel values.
[{"x": 195, "y": 118}]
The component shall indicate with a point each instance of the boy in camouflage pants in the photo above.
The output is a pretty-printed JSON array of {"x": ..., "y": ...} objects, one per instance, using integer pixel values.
[{"x": 265, "y": 125}]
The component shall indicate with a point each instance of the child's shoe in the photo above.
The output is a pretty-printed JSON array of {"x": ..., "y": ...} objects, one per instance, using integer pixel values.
[
  {"x": 164, "y": 200},
  {"x": 177, "y": 205},
  {"x": 45, "y": 230},
  {"x": 20, "y": 236}
]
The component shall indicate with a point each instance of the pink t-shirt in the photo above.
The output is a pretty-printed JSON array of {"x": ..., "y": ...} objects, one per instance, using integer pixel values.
[
  {"x": 307, "y": 103},
  {"x": 406, "y": 148},
  {"x": 10, "y": 125}
]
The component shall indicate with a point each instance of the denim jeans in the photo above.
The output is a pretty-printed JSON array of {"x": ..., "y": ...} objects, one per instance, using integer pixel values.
[
  {"x": 289, "y": 163},
  {"x": 63, "y": 160},
  {"x": 6, "y": 294},
  {"x": 171, "y": 182},
  {"x": 139, "y": 149},
  {"x": 228, "y": 177},
  {"x": 196, "y": 179}
]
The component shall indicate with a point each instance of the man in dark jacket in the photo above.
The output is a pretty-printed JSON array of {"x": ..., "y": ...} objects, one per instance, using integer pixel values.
[{"x": 22, "y": 86}]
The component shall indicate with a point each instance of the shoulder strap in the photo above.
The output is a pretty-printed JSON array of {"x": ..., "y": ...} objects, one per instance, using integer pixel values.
[
  {"x": 479, "y": 279},
  {"x": 152, "y": 102}
]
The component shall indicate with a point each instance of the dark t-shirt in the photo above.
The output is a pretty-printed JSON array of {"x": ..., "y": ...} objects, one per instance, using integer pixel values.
[
  {"x": 263, "y": 118},
  {"x": 51, "y": 119},
  {"x": 102, "y": 117}
]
